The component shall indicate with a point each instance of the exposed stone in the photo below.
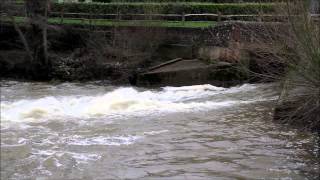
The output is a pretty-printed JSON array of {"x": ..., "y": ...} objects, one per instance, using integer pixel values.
[{"x": 225, "y": 54}]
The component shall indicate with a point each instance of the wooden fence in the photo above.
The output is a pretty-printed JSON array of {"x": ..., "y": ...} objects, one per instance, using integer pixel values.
[
  {"x": 174, "y": 17},
  {"x": 21, "y": 11}
]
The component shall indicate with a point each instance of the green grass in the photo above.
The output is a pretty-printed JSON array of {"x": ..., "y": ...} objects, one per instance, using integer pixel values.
[
  {"x": 181, "y": 1},
  {"x": 178, "y": 3},
  {"x": 130, "y": 23}
]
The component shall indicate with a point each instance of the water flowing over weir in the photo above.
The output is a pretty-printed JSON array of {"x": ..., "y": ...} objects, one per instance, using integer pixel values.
[{"x": 90, "y": 131}]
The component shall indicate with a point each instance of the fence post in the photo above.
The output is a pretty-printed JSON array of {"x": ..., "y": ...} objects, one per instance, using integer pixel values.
[
  {"x": 118, "y": 16},
  {"x": 62, "y": 14},
  {"x": 90, "y": 19},
  {"x": 183, "y": 18},
  {"x": 219, "y": 16},
  {"x": 259, "y": 17},
  {"x": 25, "y": 11}
]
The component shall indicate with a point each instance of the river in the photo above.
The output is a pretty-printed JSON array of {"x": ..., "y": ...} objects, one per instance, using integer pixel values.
[{"x": 98, "y": 131}]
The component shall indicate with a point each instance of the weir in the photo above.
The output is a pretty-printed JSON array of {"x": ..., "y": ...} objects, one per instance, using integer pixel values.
[{"x": 182, "y": 72}]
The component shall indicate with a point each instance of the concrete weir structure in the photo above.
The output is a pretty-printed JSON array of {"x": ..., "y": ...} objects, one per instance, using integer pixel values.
[{"x": 183, "y": 72}]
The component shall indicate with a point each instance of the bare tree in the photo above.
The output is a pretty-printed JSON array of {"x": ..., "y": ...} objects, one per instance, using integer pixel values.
[
  {"x": 36, "y": 42},
  {"x": 8, "y": 8},
  {"x": 37, "y": 13}
]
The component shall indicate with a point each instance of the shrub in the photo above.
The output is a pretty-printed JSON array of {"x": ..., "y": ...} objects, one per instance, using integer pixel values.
[
  {"x": 300, "y": 48},
  {"x": 181, "y": 1},
  {"x": 166, "y": 8}
]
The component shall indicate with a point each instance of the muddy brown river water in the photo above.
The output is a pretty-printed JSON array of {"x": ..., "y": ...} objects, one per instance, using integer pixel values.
[{"x": 98, "y": 131}]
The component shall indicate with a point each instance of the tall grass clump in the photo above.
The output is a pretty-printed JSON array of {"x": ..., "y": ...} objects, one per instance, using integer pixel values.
[{"x": 299, "y": 102}]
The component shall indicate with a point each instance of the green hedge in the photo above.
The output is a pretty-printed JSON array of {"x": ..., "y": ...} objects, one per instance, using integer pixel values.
[
  {"x": 165, "y": 8},
  {"x": 166, "y": 1}
]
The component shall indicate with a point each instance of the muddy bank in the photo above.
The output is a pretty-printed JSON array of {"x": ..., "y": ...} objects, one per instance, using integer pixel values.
[
  {"x": 74, "y": 54},
  {"x": 75, "y": 66}
]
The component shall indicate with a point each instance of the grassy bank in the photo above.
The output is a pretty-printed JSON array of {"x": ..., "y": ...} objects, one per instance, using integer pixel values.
[{"x": 142, "y": 23}]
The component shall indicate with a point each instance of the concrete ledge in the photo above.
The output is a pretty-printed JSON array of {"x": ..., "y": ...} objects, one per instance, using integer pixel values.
[{"x": 181, "y": 72}]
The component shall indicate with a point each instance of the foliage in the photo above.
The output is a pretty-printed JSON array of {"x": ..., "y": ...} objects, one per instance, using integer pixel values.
[
  {"x": 166, "y": 8},
  {"x": 182, "y": 1}
]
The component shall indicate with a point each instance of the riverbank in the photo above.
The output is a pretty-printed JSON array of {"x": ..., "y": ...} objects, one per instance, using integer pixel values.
[{"x": 117, "y": 53}]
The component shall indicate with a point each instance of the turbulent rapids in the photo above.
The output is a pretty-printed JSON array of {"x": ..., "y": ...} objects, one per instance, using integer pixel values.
[
  {"x": 89, "y": 131},
  {"x": 121, "y": 101}
]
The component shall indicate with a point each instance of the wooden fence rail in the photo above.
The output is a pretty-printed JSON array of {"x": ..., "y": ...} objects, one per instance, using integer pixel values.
[{"x": 176, "y": 17}]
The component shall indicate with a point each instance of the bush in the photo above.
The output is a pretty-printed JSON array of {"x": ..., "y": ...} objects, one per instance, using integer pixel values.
[
  {"x": 299, "y": 103},
  {"x": 166, "y": 1},
  {"x": 165, "y": 8}
]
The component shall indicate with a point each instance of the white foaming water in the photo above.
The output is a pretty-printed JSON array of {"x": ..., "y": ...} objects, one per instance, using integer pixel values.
[
  {"x": 100, "y": 140},
  {"x": 119, "y": 101}
]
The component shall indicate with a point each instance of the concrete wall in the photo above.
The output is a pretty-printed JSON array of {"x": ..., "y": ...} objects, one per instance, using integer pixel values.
[
  {"x": 315, "y": 6},
  {"x": 215, "y": 53}
]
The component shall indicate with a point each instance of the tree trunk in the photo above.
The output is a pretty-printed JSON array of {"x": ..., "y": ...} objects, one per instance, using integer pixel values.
[
  {"x": 22, "y": 38},
  {"x": 37, "y": 13},
  {"x": 7, "y": 8},
  {"x": 45, "y": 35}
]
